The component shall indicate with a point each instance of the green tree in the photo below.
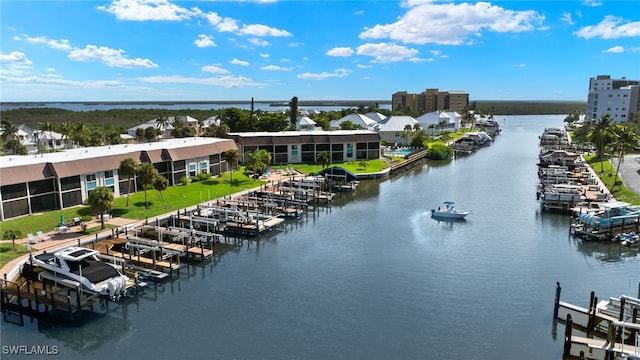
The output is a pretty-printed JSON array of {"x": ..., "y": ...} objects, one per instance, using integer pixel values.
[
  {"x": 324, "y": 158},
  {"x": 439, "y": 151},
  {"x": 128, "y": 168},
  {"x": 162, "y": 123},
  {"x": 12, "y": 235},
  {"x": 231, "y": 157},
  {"x": 601, "y": 135},
  {"x": 101, "y": 200},
  {"x": 150, "y": 133},
  {"x": 626, "y": 141},
  {"x": 293, "y": 112},
  {"x": 161, "y": 183},
  {"x": 406, "y": 134},
  {"x": 258, "y": 160},
  {"x": 146, "y": 174},
  {"x": 349, "y": 125}
]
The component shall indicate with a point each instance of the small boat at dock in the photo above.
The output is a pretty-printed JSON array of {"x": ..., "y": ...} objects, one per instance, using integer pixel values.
[{"x": 447, "y": 210}]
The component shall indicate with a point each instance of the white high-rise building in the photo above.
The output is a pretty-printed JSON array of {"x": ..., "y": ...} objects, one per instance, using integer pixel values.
[{"x": 620, "y": 98}]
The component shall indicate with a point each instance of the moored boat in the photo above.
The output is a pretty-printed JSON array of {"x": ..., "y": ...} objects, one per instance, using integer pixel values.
[{"x": 83, "y": 266}]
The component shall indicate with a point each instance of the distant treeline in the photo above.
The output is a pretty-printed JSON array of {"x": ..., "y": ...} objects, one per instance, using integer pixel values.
[
  {"x": 529, "y": 107},
  {"x": 123, "y": 119}
]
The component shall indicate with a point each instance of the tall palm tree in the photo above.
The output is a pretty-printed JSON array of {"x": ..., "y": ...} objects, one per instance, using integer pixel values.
[
  {"x": 626, "y": 141},
  {"x": 128, "y": 168},
  {"x": 161, "y": 183},
  {"x": 601, "y": 134},
  {"x": 146, "y": 174},
  {"x": 231, "y": 157}
]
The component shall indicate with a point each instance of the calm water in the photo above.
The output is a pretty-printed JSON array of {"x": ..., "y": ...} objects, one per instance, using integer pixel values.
[
  {"x": 76, "y": 106},
  {"x": 374, "y": 277}
]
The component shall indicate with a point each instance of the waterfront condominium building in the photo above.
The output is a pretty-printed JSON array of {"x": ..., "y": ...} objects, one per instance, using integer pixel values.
[
  {"x": 620, "y": 98},
  {"x": 430, "y": 100}
]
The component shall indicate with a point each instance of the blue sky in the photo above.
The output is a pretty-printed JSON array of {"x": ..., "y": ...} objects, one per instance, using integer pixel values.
[{"x": 146, "y": 50}]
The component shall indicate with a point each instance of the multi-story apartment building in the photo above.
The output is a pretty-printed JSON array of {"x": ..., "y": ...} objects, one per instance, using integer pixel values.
[
  {"x": 430, "y": 100},
  {"x": 620, "y": 98}
]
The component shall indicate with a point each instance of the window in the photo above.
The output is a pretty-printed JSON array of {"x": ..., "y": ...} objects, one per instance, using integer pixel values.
[
  {"x": 91, "y": 181},
  {"x": 294, "y": 149},
  {"x": 108, "y": 178},
  {"x": 203, "y": 167},
  {"x": 349, "y": 150},
  {"x": 192, "y": 170}
]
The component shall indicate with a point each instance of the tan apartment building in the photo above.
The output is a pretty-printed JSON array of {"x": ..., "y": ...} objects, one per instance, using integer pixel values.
[{"x": 430, "y": 100}]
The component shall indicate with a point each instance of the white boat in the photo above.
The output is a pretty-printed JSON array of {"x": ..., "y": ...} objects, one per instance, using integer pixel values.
[
  {"x": 448, "y": 211},
  {"x": 83, "y": 266}
]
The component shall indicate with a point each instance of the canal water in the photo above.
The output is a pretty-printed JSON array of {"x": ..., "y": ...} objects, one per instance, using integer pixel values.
[{"x": 374, "y": 277}]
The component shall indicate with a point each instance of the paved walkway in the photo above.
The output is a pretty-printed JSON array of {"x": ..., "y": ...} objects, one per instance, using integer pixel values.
[{"x": 630, "y": 172}]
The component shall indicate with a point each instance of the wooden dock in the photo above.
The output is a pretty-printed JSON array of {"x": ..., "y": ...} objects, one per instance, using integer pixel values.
[{"x": 610, "y": 327}]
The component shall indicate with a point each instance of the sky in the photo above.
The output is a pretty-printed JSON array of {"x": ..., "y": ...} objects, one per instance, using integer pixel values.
[{"x": 162, "y": 50}]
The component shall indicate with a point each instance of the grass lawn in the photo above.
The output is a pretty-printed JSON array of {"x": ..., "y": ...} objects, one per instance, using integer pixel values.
[
  {"x": 7, "y": 254},
  {"x": 177, "y": 197},
  {"x": 355, "y": 167},
  {"x": 607, "y": 173}
]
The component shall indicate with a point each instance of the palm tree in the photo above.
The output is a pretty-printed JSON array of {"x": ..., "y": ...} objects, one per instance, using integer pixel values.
[
  {"x": 626, "y": 141},
  {"x": 101, "y": 200},
  {"x": 162, "y": 122},
  {"x": 324, "y": 158},
  {"x": 231, "y": 157},
  {"x": 9, "y": 131},
  {"x": 79, "y": 133},
  {"x": 601, "y": 134},
  {"x": 406, "y": 133},
  {"x": 128, "y": 168},
  {"x": 146, "y": 174},
  {"x": 161, "y": 183},
  {"x": 65, "y": 129}
]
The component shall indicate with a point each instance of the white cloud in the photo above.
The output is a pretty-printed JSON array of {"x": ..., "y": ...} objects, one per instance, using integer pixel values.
[
  {"x": 239, "y": 62},
  {"x": 62, "y": 44},
  {"x": 215, "y": 69},
  {"x": 340, "y": 51},
  {"x": 566, "y": 18},
  {"x": 387, "y": 52},
  {"x": 634, "y": 49},
  {"x": 615, "y": 49},
  {"x": 204, "y": 41},
  {"x": 359, "y": 12},
  {"x": 15, "y": 57},
  {"x": 452, "y": 24},
  {"x": 222, "y": 24},
  {"x": 262, "y": 30},
  {"x": 592, "y": 3},
  {"x": 224, "y": 81},
  {"x": 111, "y": 57},
  {"x": 324, "y": 75},
  {"x": 276, "y": 68},
  {"x": 520, "y": 65},
  {"x": 143, "y": 10},
  {"x": 258, "y": 42},
  {"x": 266, "y": 56},
  {"x": 362, "y": 66},
  {"x": 611, "y": 27}
]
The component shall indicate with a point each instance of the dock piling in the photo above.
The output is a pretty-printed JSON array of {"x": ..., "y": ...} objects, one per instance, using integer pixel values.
[
  {"x": 568, "y": 327},
  {"x": 556, "y": 305}
]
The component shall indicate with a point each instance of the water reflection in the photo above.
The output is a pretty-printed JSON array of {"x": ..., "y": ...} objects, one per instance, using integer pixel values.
[{"x": 605, "y": 252}]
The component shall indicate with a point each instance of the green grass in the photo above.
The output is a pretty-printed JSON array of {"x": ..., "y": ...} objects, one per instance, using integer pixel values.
[
  {"x": 607, "y": 174},
  {"x": 374, "y": 165},
  {"x": 7, "y": 254},
  {"x": 177, "y": 197}
]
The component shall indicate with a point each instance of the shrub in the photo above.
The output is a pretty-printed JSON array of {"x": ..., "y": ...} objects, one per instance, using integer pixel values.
[
  {"x": 439, "y": 151},
  {"x": 184, "y": 180}
]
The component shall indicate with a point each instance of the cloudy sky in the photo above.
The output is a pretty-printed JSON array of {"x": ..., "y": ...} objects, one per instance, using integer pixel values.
[{"x": 145, "y": 50}]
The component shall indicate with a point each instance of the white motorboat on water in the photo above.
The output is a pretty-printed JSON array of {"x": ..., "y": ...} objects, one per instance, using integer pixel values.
[
  {"x": 83, "y": 266},
  {"x": 447, "y": 210}
]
